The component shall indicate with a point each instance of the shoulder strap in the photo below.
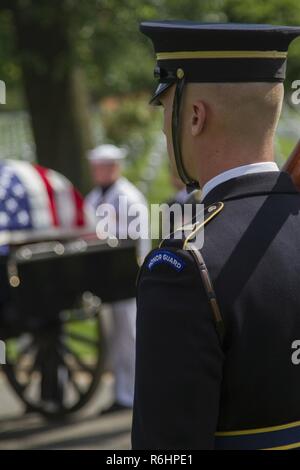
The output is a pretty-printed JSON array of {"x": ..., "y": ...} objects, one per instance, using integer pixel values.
[
  {"x": 217, "y": 317},
  {"x": 186, "y": 243},
  {"x": 188, "y": 231}
]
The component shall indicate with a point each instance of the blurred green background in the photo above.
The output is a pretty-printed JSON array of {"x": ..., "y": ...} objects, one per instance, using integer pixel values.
[{"x": 79, "y": 73}]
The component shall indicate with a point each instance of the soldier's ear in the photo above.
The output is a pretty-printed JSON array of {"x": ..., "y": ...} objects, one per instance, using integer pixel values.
[{"x": 198, "y": 118}]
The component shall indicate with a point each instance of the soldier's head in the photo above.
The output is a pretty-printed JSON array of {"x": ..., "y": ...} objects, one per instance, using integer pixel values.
[
  {"x": 223, "y": 125},
  {"x": 105, "y": 164},
  {"x": 221, "y": 89}
]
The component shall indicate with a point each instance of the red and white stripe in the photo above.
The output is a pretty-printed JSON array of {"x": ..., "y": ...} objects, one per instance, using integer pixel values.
[{"x": 54, "y": 201}]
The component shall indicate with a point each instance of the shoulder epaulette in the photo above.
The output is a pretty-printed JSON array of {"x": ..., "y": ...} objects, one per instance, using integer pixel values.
[{"x": 190, "y": 229}]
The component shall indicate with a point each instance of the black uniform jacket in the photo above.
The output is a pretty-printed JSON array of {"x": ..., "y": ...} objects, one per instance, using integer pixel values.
[{"x": 192, "y": 390}]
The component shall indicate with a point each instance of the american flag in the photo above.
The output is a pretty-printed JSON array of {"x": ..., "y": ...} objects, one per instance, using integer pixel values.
[{"x": 37, "y": 199}]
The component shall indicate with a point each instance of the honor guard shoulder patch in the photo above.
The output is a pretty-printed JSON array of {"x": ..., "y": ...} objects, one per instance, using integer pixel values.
[
  {"x": 165, "y": 257},
  {"x": 190, "y": 229}
]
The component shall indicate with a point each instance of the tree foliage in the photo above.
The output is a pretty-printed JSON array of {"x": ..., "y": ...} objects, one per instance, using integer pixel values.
[
  {"x": 101, "y": 38},
  {"x": 106, "y": 41}
]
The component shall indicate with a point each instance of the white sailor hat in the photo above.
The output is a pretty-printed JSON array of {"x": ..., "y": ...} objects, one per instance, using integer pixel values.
[{"x": 106, "y": 153}]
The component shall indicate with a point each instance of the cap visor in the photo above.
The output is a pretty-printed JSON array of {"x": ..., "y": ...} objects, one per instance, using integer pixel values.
[{"x": 162, "y": 87}]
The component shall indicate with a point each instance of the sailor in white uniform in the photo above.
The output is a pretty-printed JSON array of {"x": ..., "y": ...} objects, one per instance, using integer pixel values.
[{"x": 106, "y": 168}]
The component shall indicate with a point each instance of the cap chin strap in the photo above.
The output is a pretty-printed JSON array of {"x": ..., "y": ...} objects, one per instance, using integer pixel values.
[{"x": 191, "y": 185}]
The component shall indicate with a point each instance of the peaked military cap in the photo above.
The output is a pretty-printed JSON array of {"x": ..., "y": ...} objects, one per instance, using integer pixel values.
[
  {"x": 106, "y": 153},
  {"x": 203, "y": 52}
]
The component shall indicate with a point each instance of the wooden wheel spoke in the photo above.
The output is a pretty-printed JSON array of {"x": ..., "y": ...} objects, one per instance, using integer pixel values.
[
  {"x": 29, "y": 371},
  {"x": 25, "y": 350},
  {"x": 73, "y": 381},
  {"x": 79, "y": 361},
  {"x": 23, "y": 368}
]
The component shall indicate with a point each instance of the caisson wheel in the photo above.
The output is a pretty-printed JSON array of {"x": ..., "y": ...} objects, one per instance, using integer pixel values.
[{"x": 56, "y": 370}]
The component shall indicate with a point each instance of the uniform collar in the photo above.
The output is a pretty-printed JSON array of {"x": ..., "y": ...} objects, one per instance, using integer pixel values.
[
  {"x": 238, "y": 171},
  {"x": 251, "y": 184}
]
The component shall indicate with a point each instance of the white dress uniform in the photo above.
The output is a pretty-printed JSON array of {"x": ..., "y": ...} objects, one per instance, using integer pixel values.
[{"x": 122, "y": 345}]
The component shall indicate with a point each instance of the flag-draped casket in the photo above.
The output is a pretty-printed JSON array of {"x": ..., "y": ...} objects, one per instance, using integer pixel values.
[{"x": 36, "y": 198}]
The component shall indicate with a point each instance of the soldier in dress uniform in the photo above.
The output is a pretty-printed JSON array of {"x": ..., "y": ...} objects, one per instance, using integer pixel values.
[
  {"x": 216, "y": 324},
  {"x": 110, "y": 185}
]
